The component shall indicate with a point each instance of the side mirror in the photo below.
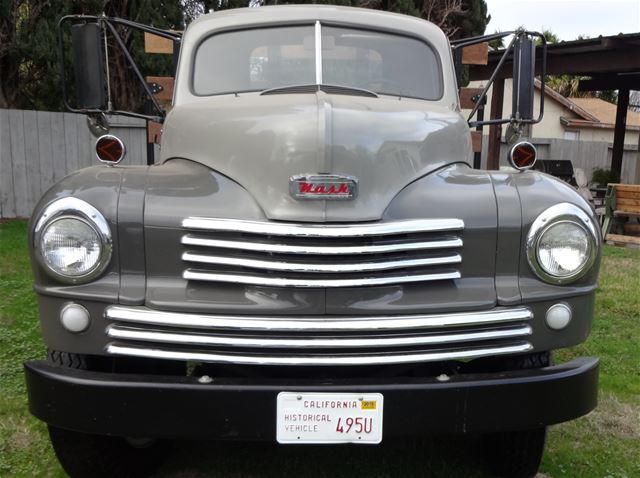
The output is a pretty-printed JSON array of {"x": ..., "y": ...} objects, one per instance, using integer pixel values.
[
  {"x": 524, "y": 59},
  {"x": 98, "y": 124},
  {"x": 88, "y": 66}
]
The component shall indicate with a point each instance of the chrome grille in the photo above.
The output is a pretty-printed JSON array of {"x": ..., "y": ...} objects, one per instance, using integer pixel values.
[
  {"x": 297, "y": 255},
  {"x": 322, "y": 340}
]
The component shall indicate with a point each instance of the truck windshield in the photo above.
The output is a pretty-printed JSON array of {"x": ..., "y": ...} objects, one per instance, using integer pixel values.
[{"x": 265, "y": 58}]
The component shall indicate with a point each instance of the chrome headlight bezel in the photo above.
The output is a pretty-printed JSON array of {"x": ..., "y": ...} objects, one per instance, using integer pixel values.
[
  {"x": 74, "y": 208},
  {"x": 562, "y": 213}
]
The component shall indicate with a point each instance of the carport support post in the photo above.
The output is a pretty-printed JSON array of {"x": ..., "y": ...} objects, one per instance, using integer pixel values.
[
  {"x": 621, "y": 128},
  {"x": 495, "y": 130}
]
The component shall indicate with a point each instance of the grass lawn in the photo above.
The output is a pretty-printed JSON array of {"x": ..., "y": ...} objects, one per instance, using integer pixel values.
[{"x": 604, "y": 444}]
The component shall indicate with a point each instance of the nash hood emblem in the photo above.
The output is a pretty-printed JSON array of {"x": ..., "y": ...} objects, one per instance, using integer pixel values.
[{"x": 323, "y": 186}]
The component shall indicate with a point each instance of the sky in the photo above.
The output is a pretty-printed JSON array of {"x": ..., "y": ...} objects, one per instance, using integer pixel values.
[{"x": 566, "y": 18}]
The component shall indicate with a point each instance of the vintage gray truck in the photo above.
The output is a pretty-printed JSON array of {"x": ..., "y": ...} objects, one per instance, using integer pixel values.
[{"x": 313, "y": 260}]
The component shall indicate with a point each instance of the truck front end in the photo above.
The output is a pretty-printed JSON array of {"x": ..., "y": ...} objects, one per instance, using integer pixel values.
[{"x": 313, "y": 261}]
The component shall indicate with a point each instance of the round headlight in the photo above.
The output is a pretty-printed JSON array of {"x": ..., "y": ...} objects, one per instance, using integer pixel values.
[
  {"x": 562, "y": 244},
  {"x": 563, "y": 249},
  {"x": 70, "y": 247},
  {"x": 72, "y": 240}
]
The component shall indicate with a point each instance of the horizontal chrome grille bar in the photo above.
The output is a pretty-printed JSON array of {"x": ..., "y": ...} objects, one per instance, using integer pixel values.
[
  {"x": 267, "y": 281},
  {"x": 320, "y": 360},
  {"x": 323, "y": 230},
  {"x": 191, "y": 240},
  {"x": 118, "y": 332},
  {"x": 343, "y": 267},
  {"x": 140, "y": 315}
]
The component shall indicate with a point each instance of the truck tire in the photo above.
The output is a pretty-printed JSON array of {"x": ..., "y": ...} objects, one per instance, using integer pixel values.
[
  {"x": 514, "y": 454},
  {"x": 67, "y": 359},
  {"x": 83, "y": 455},
  {"x": 97, "y": 456}
]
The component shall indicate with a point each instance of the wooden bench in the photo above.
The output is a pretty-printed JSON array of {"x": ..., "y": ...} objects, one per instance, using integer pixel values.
[{"x": 622, "y": 200}]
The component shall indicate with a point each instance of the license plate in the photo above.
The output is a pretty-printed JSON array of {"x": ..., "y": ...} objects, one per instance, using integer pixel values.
[{"x": 329, "y": 417}]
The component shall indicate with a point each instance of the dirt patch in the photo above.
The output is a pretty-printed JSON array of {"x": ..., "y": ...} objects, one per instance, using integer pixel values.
[
  {"x": 18, "y": 434},
  {"x": 616, "y": 418}
]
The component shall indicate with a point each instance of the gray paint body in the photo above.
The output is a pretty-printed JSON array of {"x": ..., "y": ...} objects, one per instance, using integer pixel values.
[{"x": 232, "y": 156}]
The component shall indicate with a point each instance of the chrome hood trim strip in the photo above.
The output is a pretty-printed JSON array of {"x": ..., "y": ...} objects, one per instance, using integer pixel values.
[{"x": 323, "y": 230}]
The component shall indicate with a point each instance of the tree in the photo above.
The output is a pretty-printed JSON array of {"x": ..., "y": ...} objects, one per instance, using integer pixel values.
[
  {"x": 29, "y": 71},
  {"x": 29, "y": 63},
  {"x": 126, "y": 90},
  {"x": 458, "y": 18}
]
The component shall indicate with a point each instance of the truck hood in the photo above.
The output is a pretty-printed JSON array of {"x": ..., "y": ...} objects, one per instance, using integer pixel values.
[{"x": 260, "y": 142}]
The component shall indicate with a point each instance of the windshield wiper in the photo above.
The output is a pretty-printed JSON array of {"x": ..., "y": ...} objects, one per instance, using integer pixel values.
[{"x": 311, "y": 88}]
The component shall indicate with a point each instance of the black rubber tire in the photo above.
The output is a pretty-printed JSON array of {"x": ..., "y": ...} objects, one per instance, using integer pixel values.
[
  {"x": 514, "y": 454},
  {"x": 67, "y": 359},
  {"x": 97, "y": 456},
  {"x": 84, "y": 455},
  {"x": 534, "y": 360}
]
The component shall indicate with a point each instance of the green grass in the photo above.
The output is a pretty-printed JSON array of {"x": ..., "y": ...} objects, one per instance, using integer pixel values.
[
  {"x": 24, "y": 450},
  {"x": 604, "y": 444}
]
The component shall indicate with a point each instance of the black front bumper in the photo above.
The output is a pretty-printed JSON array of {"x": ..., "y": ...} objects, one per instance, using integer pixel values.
[{"x": 245, "y": 409}]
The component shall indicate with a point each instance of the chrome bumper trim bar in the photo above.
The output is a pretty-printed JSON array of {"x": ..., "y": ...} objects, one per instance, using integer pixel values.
[
  {"x": 267, "y": 281},
  {"x": 328, "y": 267},
  {"x": 142, "y": 315},
  {"x": 191, "y": 240},
  {"x": 320, "y": 360},
  {"x": 183, "y": 338},
  {"x": 323, "y": 230}
]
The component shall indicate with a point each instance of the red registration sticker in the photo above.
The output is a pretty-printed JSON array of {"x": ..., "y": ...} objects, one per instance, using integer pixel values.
[{"x": 329, "y": 417}]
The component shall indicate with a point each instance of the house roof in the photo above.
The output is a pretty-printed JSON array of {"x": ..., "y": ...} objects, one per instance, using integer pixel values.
[
  {"x": 591, "y": 112},
  {"x": 567, "y": 103},
  {"x": 604, "y": 111}
]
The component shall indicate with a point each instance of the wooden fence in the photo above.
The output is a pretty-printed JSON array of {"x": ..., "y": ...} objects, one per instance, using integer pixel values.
[
  {"x": 583, "y": 154},
  {"x": 38, "y": 148}
]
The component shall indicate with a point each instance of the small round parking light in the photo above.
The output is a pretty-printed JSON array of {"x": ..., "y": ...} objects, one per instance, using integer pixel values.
[
  {"x": 74, "y": 318},
  {"x": 558, "y": 316},
  {"x": 523, "y": 155},
  {"x": 110, "y": 149}
]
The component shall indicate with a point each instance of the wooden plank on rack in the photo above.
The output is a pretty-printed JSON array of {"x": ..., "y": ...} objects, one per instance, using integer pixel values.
[
  {"x": 154, "y": 132},
  {"x": 166, "y": 83},
  {"x": 476, "y": 54},
  {"x": 156, "y": 44},
  {"x": 476, "y": 141},
  {"x": 467, "y": 96}
]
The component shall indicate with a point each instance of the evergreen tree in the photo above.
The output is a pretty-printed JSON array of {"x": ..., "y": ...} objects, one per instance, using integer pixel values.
[
  {"x": 29, "y": 55},
  {"x": 458, "y": 18},
  {"x": 29, "y": 65}
]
